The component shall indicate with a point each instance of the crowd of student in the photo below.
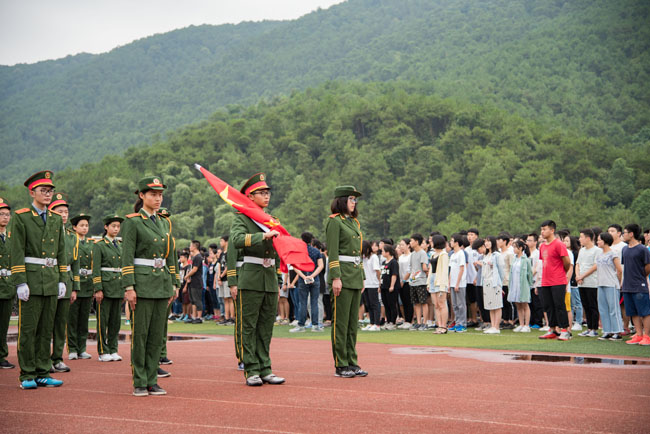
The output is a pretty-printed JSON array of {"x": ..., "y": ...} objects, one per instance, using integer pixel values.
[{"x": 557, "y": 283}]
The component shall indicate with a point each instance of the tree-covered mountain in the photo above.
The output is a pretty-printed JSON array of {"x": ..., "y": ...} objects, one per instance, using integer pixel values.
[
  {"x": 421, "y": 162},
  {"x": 581, "y": 65}
]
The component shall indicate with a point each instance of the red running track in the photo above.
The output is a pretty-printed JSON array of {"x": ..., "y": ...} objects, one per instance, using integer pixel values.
[{"x": 409, "y": 389}]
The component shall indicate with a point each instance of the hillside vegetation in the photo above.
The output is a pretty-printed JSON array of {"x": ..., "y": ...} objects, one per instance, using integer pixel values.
[{"x": 579, "y": 65}]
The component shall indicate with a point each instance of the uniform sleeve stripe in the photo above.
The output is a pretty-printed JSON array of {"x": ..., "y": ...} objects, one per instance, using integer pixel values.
[{"x": 248, "y": 240}]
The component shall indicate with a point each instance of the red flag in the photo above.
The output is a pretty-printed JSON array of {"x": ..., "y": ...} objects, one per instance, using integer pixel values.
[{"x": 291, "y": 250}]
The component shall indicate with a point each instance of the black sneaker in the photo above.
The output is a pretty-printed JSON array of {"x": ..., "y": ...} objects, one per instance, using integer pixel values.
[
  {"x": 358, "y": 372},
  {"x": 162, "y": 373},
  {"x": 6, "y": 365},
  {"x": 344, "y": 372},
  {"x": 197, "y": 321},
  {"x": 605, "y": 337},
  {"x": 156, "y": 390},
  {"x": 140, "y": 391},
  {"x": 165, "y": 361},
  {"x": 615, "y": 337}
]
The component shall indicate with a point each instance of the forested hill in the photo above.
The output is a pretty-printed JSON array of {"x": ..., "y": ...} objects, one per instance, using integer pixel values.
[
  {"x": 421, "y": 162},
  {"x": 577, "y": 65}
]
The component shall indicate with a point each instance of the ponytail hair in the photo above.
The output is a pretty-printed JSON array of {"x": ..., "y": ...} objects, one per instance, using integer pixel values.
[
  {"x": 522, "y": 245},
  {"x": 138, "y": 203}
]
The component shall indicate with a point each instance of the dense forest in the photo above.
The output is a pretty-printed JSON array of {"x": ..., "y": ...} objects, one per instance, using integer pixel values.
[
  {"x": 421, "y": 161},
  {"x": 580, "y": 65}
]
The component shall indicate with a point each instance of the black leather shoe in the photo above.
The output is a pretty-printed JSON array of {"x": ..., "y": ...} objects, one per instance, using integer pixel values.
[
  {"x": 162, "y": 373},
  {"x": 358, "y": 372},
  {"x": 6, "y": 365},
  {"x": 165, "y": 361},
  {"x": 344, "y": 372},
  {"x": 156, "y": 390},
  {"x": 140, "y": 391}
]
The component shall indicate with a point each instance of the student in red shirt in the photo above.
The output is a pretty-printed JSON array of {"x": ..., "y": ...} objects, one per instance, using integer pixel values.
[{"x": 555, "y": 262}]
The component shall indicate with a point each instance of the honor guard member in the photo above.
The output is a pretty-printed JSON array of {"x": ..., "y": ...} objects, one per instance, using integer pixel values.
[
  {"x": 38, "y": 271},
  {"x": 146, "y": 255},
  {"x": 7, "y": 289},
  {"x": 59, "y": 332},
  {"x": 345, "y": 277},
  {"x": 80, "y": 308},
  {"x": 107, "y": 283},
  {"x": 257, "y": 286},
  {"x": 173, "y": 268},
  {"x": 234, "y": 261}
]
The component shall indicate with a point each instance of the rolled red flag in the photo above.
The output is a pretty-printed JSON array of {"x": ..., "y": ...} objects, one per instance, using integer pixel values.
[{"x": 291, "y": 250}]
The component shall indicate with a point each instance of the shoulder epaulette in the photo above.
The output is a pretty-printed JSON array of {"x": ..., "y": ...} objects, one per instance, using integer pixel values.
[
  {"x": 333, "y": 215},
  {"x": 135, "y": 214},
  {"x": 97, "y": 241},
  {"x": 22, "y": 211}
]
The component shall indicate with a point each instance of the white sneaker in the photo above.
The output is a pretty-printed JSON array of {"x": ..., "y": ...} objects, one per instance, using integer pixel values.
[
  {"x": 366, "y": 328},
  {"x": 390, "y": 326},
  {"x": 297, "y": 329},
  {"x": 576, "y": 327},
  {"x": 404, "y": 326},
  {"x": 518, "y": 329},
  {"x": 116, "y": 357},
  {"x": 73, "y": 356},
  {"x": 492, "y": 331},
  {"x": 85, "y": 355},
  {"x": 294, "y": 323},
  {"x": 525, "y": 329},
  {"x": 105, "y": 358},
  {"x": 545, "y": 329},
  {"x": 374, "y": 328}
]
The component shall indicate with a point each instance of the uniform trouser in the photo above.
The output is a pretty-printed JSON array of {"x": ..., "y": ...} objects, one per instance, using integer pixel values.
[
  {"x": 345, "y": 317},
  {"x": 460, "y": 308},
  {"x": 109, "y": 319},
  {"x": 589, "y": 297},
  {"x": 147, "y": 327},
  {"x": 59, "y": 329},
  {"x": 5, "y": 316},
  {"x": 258, "y": 315},
  {"x": 35, "y": 320},
  {"x": 555, "y": 305},
  {"x": 163, "y": 350},
  {"x": 78, "y": 324},
  {"x": 238, "y": 329},
  {"x": 405, "y": 295}
]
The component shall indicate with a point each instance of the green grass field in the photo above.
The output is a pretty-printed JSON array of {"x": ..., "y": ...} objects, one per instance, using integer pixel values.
[{"x": 507, "y": 340}]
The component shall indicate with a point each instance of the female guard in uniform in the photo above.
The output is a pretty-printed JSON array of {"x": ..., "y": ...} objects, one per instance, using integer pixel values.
[
  {"x": 149, "y": 277},
  {"x": 107, "y": 282},
  {"x": 80, "y": 309},
  {"x": 345, "y": 277}
]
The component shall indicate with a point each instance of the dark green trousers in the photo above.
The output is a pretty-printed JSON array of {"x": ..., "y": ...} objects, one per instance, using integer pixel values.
[
  {"x": 5, "y": 316},
  {"x": 258, "y": 315},
  {"x": 148, "y": 321},
  {"x": 78, "y": 324},
  {"x": 35, "y": 320},
  {"x": 59, "y": 331},
  {"x": 345, "y": 315},
  {"x": 238, "y": 329},
  {"x": 108, "y": 325},
  {"x": 163, "y": 351}
]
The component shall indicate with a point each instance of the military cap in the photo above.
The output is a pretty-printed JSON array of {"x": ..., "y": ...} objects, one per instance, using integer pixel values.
[
  {"x": 76, "y": 219},
  {"x": 346, "y": 190},
  {"x": 40, "y": 178},
  {"x": 112, "y": 218},
  {"x": 58, "y": 200},
  {"x": 4, "y": 204},
  {"x": 150, "y": 183},
  {"x": 254, "y": 183},
  {"x": 164, "y": 212}
]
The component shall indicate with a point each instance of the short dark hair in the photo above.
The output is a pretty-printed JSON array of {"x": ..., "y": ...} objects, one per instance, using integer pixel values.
[
  {"x": 340, "y": 206},
  {"x": 225, "y": 237},
  {"x": 607, "y": 238},
  {"x": 439, "y": 242},
  {"x": 548, "y": 223},
  {"x": 387, "y": 241},
  {"x": 562, "y": 233},
  {"x": 534, "y": 235},
  {"x": 214, "y": 250},
  {"x": 478, "y": 243},
  {"x": 588, "y": 233},
  {"x": 196, "y": 244},
  {"x": 184, "y": 253},
  {"x": 462, "y": 232},
  {"x": 417, "y": 237},
  {"x": 388, "y": 248},
  {"x": 567, "y": 230},
  {"x": 457, "y": 237},
  {"x": 635, "y": 230},
  {"x": 473, "y": 230},
  {"x": 616, "y": 226},
  {"x": 434, "y": 233},
  {"x": 307, "y": 237},
  {"x": 465, "y": 241},
  {"x": 504, "y": 236}
]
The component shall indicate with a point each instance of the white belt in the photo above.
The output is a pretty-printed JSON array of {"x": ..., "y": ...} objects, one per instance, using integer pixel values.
[
  {"x": 115, "y": 270},
  {"x": 354, "y": 259},
  {"x": 48, "y": 262},
  {"x": 4, "y": 272},
  {"x": 155, "y": 263},
  {"x": 265, "y": 262},
  {"x": 239, "y": 264},
  {"x": 85, "y": 272}
]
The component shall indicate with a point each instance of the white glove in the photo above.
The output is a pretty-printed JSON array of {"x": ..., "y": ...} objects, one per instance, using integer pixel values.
[
  {"x": 23, "y": 291},
  {"x": 62, "y": 290}
]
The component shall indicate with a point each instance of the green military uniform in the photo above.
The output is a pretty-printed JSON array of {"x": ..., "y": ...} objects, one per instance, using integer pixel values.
[
  {"x": 344, "y": 237},
  {"x": 173, "y": 268},
  {"x": 38, "y": 260},
  {"x": 107, "y": 278},
  {"x": 59, "y": 329},
  {"x": 80, "y": 310},
  {"x": 146, "y": 260},
  {"x": 7, "y": 289},
  {"x": 234, "y": 260},
  {"x": 257, "y": 287}
]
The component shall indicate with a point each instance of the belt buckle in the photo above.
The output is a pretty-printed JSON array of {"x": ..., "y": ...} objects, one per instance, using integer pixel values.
[
  {"x": 357, "y": 260},
  {"x": 158, "y": 263},
  {"x": 49, "y": 262},
  {"x": 266, "y": 263},
  {"x": 3, "y": 273}
]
